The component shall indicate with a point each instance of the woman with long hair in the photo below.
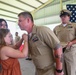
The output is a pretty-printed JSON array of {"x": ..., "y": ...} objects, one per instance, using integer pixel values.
[{"x": 9, "y": 56}]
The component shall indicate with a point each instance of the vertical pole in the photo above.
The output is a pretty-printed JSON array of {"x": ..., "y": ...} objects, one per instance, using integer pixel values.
[{"x": 61, "y": 5}]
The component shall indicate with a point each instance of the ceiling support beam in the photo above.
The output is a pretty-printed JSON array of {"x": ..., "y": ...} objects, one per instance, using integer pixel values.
[
  {"x": 8, "y": 11},
  {"x": 11, "y": 5},
  {"x": 39, "y": 1},
  {"x": 8, "y": 16},
  {"x": 49, "y": 1},
  {"x": 26, "y": 4}
]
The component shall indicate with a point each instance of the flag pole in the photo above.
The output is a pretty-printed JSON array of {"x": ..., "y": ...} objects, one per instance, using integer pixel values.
[{"x": 61, "y": 5}]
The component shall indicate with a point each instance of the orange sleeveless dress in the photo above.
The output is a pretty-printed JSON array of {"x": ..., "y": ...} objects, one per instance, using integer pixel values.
[{"x": 10, "y": 66}]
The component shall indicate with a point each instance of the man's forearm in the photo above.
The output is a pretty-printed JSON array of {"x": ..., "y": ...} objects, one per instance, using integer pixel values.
[{"x": 58, "y": 58}]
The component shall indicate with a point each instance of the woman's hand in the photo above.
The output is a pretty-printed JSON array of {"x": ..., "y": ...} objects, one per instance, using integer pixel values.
[{"x": 25, "y": 37}]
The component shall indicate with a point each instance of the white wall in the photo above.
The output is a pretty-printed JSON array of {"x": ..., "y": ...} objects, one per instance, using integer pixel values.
[
  {"x": 14, "y": 28},
  {"x": 52, "y": 26},
  {"x": 48, "y": 20}
]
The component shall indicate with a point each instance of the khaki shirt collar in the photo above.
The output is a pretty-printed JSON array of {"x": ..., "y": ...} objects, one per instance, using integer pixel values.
[
  {"x": 34, "y": 29},
  {"x": 69, "y": 23}
]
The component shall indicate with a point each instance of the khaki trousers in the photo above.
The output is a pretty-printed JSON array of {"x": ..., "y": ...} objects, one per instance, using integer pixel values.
[
  {"x": 50, "y": 71},
  {"x": 70, "y": 60}
]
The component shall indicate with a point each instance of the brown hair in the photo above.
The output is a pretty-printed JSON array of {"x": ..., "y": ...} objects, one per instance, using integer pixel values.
[
  {"x": 3, "y": 33},
  {"x": 26, "y": 14}
]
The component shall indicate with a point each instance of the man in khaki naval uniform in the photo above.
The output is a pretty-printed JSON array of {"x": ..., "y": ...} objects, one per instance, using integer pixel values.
[
  {"x": 17, "y": 37},
  {"x": 66, "y": 33},
  {"x": 42, "y": 42}
]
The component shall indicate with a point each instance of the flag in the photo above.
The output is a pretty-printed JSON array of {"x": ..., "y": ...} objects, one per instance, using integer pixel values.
[{"x": 72, "y": 8}]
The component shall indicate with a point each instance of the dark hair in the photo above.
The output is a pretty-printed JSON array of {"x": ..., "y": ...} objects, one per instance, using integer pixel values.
[
  {"x": 1, "y": 20},
  {"x": 16, "y": 32},
  {"x": 26, "y": 14},
  {"x": 3, "y": 33}
]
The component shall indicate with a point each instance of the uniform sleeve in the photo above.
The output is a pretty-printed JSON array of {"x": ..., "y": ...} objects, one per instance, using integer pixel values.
[
  {"x": 54, "y": 31},
  {"x": 50, "y": 38}
]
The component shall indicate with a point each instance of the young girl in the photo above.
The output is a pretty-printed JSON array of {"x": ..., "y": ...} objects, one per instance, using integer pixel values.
[{"x": 9, "y": 56}]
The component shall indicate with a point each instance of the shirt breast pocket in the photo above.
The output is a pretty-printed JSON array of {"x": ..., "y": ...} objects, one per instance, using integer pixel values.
[
  {"x": 71, "y": 30},
  {"x": 42, "y": 48},
  {"x": 58, "y": 32}
]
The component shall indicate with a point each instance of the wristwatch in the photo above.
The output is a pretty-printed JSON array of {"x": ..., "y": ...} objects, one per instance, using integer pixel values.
[{"x": 59, "y": 71}]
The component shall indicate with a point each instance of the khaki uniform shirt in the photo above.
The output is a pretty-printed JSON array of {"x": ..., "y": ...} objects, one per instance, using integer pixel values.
[
  {"x": 17, "y": 38},
  {"x": 41, "y": 44},
  {"x": 65, "y": 33}
]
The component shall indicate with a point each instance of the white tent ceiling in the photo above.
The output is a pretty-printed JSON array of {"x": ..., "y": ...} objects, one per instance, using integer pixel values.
[{"x": 9, "y": 9}]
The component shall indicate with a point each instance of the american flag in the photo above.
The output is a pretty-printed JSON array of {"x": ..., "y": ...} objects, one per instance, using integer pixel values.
[{"x": 72, "y": 8}]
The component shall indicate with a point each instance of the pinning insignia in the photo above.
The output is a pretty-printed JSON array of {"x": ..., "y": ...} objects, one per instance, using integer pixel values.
[
  {"x": 35, "y": 38},
  {"x": 70, "y": 27}
]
